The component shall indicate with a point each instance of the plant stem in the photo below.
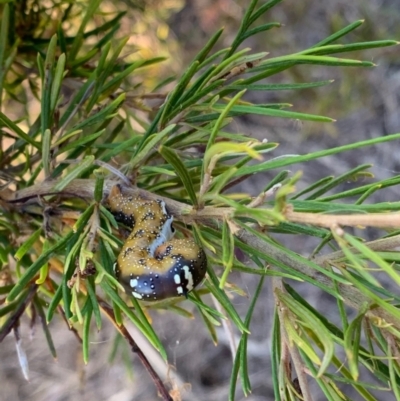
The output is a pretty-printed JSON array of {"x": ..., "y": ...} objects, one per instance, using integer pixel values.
[{"x": 84, "y": 188}]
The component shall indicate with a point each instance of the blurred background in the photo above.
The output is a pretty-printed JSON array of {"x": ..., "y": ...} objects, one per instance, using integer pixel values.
[{"x": 365, "y": 103}]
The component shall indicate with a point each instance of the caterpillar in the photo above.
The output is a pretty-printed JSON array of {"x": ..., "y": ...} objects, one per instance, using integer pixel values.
[{"x": 152, "y": 265}]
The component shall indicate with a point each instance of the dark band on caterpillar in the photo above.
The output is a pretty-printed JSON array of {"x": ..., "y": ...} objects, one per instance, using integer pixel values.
[{"x": 152, "y": 265}]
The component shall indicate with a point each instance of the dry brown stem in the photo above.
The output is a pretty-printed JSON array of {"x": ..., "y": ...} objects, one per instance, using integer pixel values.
[
  {"x": 109, "y": 312},
  {"x": 14, "y": 318},
  {"x": 387, "y": 220},
  {"x": 290, "y": 348},
  {"x": 84, "y": 188}
]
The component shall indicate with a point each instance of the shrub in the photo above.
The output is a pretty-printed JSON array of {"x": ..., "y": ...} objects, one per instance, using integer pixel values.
[{"x": 95, "y": 127}]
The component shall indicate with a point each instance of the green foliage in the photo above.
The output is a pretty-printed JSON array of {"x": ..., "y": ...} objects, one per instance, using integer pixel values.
[{"x": 91, "y": 99}]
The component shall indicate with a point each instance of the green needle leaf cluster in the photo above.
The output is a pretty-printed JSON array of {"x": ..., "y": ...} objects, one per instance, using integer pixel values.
[{"x": 58, "y": 240}]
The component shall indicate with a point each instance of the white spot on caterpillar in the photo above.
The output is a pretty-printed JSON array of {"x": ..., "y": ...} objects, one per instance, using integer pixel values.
[
  {"x": 165, "y": 234},
  {"x": 180, "y": 290},
  {"x": 136, "y": 295},
  {"x": 177, "y": 279},
  {"x": 133, "y": 283},
  {"x": 188, "y": 277},
  {"x": 164, "y": 210}
]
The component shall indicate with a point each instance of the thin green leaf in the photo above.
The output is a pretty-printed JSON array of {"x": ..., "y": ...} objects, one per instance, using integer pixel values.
[
  {"x": 117, "y": 313},
  {"x": 217, "y": 126},
  {"x": 391, "y": 309},
  {"x": 352, "y": 338},
  {"x": 213, "y": 285},
  {"x": 28, "y": 244},
  {"x": 367, "y": 194},
  {"x": 313, "y": 323},
  {"x": 5, "y": 310},
  {"x": 35, "y": 267},
  {"x": 104, "y": 114},
  {"x": 274, "y": 65},
  {"x": 348, "y": 175},
  {"x": 289, "y": 160},
  {"x": 188, "y": 101},
  {"x": 44, "y": 270},
  {"x": 6, "y": 289},
  {"x": 301, "y": 342},
  {"x": 95, "y": 305},
  {"x": 61, "y": 38},
  {"x": 56, "y": 299},
  {"x": 278, "y": 87},
  {"x": 228, "y": 250},
  {"x": 149, "y": 328},
  {"x": 80, "y": 97},
  {"x": 313, "y": 186},
  {"x": 172, "y": 158},
  {"x": 275, "y": 113},
  {"x": 78, "y": 40},
  {"x": 108, "y": 25},
  {"x": 330, "y": 394},
  {"x": 177, "y": 92},
  {"x": 394, "y": 374},
  {"x": 337, "y": 35},
  {"x": 128, "y": 312},
  {"x": 210, "y": 324},
  {"x": 212, "y": 314},
  {"x": 5, "y": 18},
  {"x": 74, "y": 173},
  {"x": 349, "y": 47},
  {"x": 45, "y": 327},
  {"x": 14, "y": 127},
  {"x": 373, "y": 257},
  {"x": 115, "y": 82},
  {"x": 151, "y": 142},
  {"x": 393, "y": 181},
  {"x": 242, "y": 349},
  {"x": 261, "y": 28},
  {"x": 57, "y": 81},
  {"x": 84, "y": 140},
  {"x": 70, "y": 297},
  {"x": 219, "y": 182},
  {"x": 262, "y": 10},
  {"x": 276, "y": 356},
  {"x": 47, "y": 82},
  {"x": 86, "y": 333},
  {"x": 46, "y": 142}
]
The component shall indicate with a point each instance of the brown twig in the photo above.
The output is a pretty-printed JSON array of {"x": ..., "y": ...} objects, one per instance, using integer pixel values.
[
  {"x": 70, "y": 328},
  {"x": 387, "y": 220},
  {"x": 13, "y": 319},
  {"x": 351, "y": 296},
  {"x": 109, "y": 312},
  {"x": 236, "y": 181},
  {"x": 228, "y": 328},
  {"x": 294, "y": 353},
  {"x": 84, "y": 188},
  {"x": 384, "y": 244},
  {"x": 58, "y": 266}
]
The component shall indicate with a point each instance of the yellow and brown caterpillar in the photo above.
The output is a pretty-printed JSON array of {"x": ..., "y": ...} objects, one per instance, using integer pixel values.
[{"x": 152, "y": 265}]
